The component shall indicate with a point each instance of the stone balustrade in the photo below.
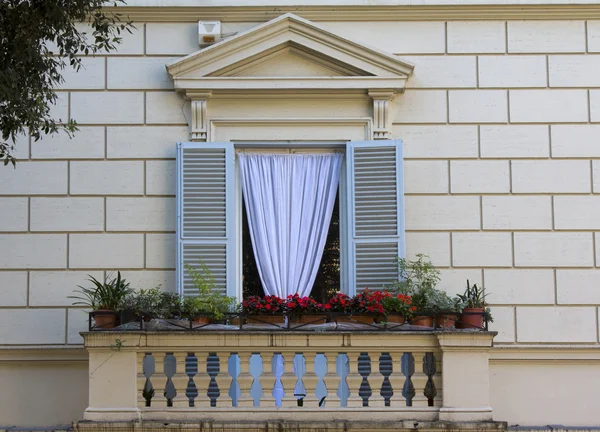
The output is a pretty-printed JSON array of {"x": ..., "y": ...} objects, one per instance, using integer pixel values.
[{"x": 245, "y": 376}]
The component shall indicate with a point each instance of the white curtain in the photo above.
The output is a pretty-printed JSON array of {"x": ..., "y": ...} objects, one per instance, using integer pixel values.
[{"x": 289, "y": 201}]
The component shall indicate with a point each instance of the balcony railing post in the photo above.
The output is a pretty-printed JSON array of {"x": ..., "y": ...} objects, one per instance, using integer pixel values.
[
  {"x": 465, "y": 376},
  {"x": 112, "y": 379}
]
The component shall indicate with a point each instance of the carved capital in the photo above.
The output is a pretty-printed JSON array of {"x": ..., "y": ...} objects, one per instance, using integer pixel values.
[
  {"x": 382, "y": 121},
  {"x": 199, "y": 121}
]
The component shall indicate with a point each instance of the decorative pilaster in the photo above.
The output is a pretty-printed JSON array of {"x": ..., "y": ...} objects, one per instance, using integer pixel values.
[
  {"x": 199, "y": 121},
  {"x": 382, "y": 121}
]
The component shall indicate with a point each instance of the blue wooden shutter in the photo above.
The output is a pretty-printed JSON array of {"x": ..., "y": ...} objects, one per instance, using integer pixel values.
[
  {"x": 375, "y": 188},
  {"x": 205, "y": 213}
]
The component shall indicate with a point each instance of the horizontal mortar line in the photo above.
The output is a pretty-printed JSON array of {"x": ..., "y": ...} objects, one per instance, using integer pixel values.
[
  {"x": 102, "y": 159},
  {"x": 116, "y": 90},
  {"x": 545, "y": 305},
  {"x": 591, "y": 344},
  {"x": 86, "y": 232},
  {"x": 496, "y": 123},
  {"x": 62, "y": 269}
]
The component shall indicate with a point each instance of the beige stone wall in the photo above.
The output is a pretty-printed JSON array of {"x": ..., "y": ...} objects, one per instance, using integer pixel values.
[{"x": 500, "y": 125}]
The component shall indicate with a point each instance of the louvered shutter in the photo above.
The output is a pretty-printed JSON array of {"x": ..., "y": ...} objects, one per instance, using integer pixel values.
[
  {"x": 205, "y": 213},
  {"x": 375, "y": 188}
]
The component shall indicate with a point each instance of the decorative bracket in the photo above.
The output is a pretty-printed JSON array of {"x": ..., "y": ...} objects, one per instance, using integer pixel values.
[
  {"x": 382, "y": 121},
  {"x": 199, "y": 123}
]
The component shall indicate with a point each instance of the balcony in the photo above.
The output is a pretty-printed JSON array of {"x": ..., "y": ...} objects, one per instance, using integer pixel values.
[{"x": 229, "y": 380}]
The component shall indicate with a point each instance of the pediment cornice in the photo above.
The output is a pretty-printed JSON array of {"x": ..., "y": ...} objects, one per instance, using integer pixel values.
[{"x": 354, "y": 66}]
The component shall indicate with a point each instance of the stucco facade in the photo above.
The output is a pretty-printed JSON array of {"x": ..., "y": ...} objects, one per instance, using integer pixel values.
[{"x": 500, "y": 123}]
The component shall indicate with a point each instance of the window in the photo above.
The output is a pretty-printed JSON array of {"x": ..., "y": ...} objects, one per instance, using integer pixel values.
[{"x": 371, "y": 214}]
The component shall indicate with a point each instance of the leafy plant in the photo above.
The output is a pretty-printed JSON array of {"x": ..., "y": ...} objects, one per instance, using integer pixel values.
[
  {"x": 417, "y": 279},
  {"x": 170, "y": 305},
  {"x": 145, "y": 302},
  {"x": 103, "y": 295},
  {"x": 440, "y": 301},
  {"x": 475, "y": 297},
  {"x": 208, "y": 301},
  {"x": 398, "y": 304}
]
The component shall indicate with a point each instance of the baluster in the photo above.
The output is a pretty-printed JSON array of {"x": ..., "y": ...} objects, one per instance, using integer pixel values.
[
  {"x": 256, "y": 370},
  {"x": 191, "y": 370},
  {"x": 299, "y": 371},
  {"x": 354, "y": 380},
  {"x": 170, "y": 368},
  {"x": 386, "y": 368},
  {"x": 429, "y": 368},
  {"x": 245, "y": 380},
  {"x": 364, "y": 369},
  {"x": 267, "y": 380},
  {"x": 332, "y": 381},
  {"x": 408, "y": 369},
  {"x": 310, "y": 380},
  {"x": 277, "y": 367},
  {"x": 321, "y": 390},
  {"x": 288, "y": 381},
  {"x": 376, "y": 379},
  {"x": 159, "y": 381},
  {"x": 145, "y": 387},
  {"x": 180, "y": 381},
  {"x": 213, "y": 368},
  {"x": 224, "y": 379},
  {"x": 397, "y": 380},
  {"x": 234, "y": 369},
  {"x": 202, "y": 381},
  {"x": 342, "y": 369}
]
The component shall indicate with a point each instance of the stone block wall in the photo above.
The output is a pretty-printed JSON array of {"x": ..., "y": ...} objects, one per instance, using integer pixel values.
[{"x": 500, "y": 124}]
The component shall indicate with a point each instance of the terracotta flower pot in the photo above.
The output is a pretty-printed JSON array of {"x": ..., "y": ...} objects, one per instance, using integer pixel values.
[
  {"x": 308, "y": 319},
  {"x": 201, "y": 320},
  {"x": 355, "y": 319},
  {"x": 425, "y": 321},
  {"x": 236, "y": 321},
  {"x": 267, "y": 319},
  {"x": 395, "y": 319},
  {"x": 105, "y": 319},
  {"x": 446, "y": 321},
  {"x": 472, "y": 318}
]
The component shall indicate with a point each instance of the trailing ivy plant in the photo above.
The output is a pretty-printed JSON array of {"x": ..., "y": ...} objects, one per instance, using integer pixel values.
[{"x": 38, "y": 40}]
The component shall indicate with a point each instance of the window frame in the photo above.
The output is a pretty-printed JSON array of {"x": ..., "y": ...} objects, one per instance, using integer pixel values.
[{"x": 291, "y": 147}]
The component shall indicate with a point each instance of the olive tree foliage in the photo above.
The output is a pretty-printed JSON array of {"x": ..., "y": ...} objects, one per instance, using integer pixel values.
[{"x": 38, "y": 40}]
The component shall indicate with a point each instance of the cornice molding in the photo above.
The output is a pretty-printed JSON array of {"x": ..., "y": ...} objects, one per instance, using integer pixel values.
[
  {"x": 362, "y": 13},
  {"x": 210, "y": 69}
]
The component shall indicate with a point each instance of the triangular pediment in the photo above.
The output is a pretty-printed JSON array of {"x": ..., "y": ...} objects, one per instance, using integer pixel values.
[{"x": 289, "y": 52}]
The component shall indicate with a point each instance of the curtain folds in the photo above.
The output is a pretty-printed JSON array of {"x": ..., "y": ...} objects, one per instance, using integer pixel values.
[{"x": 289, "y": 201}]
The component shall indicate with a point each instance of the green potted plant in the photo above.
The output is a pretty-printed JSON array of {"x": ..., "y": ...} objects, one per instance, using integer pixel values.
[
  {"x": 474, "y": 307},
  {"x": 397, "y": 307},
  {"x": 208, "y": 305},
  {"x": 417, "y": 279},
  {"x": 445, "y": 308},
  {"x": 170, "y": 305},
  {"x": 103, "y": 298}
]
